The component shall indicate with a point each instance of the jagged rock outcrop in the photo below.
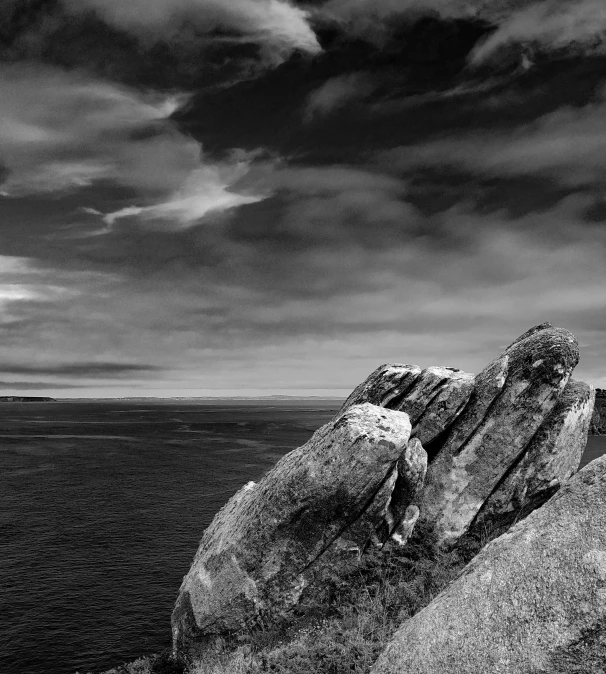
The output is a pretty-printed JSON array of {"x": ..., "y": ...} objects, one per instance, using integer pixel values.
[
  {"x": 386, "y": 383},
  {"x": 432, "y": 397},
  {"x": 510, "y": 400},
  {"x": 532, "y": 602},
  {"x": 498, "y": 444},
  {"x": 553, "y": 455},
  {"x": 260, "y": 550}
]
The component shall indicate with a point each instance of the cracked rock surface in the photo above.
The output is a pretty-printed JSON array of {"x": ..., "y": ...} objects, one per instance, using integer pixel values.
[
  {"x": 511, "y": 398},
  {"x": 533, "y": 601},
  {"x": 553, "y": 455},
  {"x": 432, "y": 397},
  {"x": 260, "y": 550}
]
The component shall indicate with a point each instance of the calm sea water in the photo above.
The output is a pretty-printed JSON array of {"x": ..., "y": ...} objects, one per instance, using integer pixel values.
[{"x": 102, "y": 508}]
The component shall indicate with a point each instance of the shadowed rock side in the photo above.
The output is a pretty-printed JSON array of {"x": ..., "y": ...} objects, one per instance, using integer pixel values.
[
  {"x": 553, "y": 455},
  {"x": 531, "y": 602},
  {"x": 511, "y": 398},
  {"x": 400, "y": 511},
  {"x": 257, "y": 552},
  {"x": 432, "y": 397},
  {"x": 598, "y": 421}
]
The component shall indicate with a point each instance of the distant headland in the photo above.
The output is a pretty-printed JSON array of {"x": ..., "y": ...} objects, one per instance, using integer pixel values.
[{"x": 26, "y": 399}]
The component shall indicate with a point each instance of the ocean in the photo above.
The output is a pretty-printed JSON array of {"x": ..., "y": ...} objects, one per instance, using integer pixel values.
[{"x": 102, "y": 508}]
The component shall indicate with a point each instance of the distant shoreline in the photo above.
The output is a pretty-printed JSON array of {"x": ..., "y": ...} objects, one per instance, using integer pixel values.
[{"x": 27, "y": 399}]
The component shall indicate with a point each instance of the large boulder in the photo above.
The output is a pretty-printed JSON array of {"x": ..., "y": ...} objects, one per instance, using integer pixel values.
[
  {"x": 553, "y": 455},
  {"x": 261, "y": 549},
  {"x": 432, "y": 397},
  {"x": 532, "y": 602},
  {"x": 511, "y": 398}
]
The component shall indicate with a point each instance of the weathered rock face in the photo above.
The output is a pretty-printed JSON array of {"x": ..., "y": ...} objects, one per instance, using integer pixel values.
[
  {"x": 598, "y": 421},
  {"x": 260, "y": 549},
  {"x": 553, "y": 455},
  {"x": 511, "y": 398},
  {"x": 432, "y": 397},
  {"x": 402, "y": 511},
  {"x": 386, "y": 383},
  {"x": 532, "y": 602},
  {"x": 450, "y": 397}
]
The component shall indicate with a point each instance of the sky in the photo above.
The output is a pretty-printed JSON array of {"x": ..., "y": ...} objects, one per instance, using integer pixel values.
[{"x": 257, "y": 197}]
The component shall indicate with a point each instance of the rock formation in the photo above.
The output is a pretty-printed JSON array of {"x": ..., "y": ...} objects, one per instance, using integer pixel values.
[
  {"x": 259, "y": 552},
  {"x": 436, "y": 445},
  {"x": 552, "y": 456},
  {"x": 432, "y": 398},
  {"x": 511, "y": 398},
  {"x": 533, "y": 601}
]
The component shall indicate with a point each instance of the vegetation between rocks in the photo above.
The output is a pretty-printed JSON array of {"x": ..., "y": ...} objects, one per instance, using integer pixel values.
[{"x": 342, "y": 629}]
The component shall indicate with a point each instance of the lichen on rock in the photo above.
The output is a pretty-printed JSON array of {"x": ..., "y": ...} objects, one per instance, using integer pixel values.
[
  {"x": 524, "y": 604},
  {"x": 511, "y": 398},
  {"x": 259, "y": 552}
]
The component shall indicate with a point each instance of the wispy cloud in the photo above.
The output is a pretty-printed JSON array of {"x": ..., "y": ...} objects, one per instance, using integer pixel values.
[
  {"x": 62, "y": 130},
  {"x": 33, "y": 386},
  {"x": 550, "y": 25},
  {"x": 206, "y": 190},
  {"x": 568, "y": 146},
  {"x": 277, "y": 24},
  {"x": 91, "y": 369},
  {"x": 337, "y": 92},
  {"x": 368, "y": 10}
]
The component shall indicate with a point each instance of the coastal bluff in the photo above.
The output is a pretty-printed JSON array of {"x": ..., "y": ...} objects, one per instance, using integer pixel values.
[
  {"x": 26, "y": 399},
  {"x": 415, "y": 452}
]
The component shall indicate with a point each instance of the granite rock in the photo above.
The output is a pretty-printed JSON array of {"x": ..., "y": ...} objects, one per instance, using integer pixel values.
[
  {"x": 553, "y": 455},
  {"x": 533, "y": 601},
  {"x": 258, "y": 554},
  {"x": 511, "y": 398},
  {"x": 432, "y": 397}
]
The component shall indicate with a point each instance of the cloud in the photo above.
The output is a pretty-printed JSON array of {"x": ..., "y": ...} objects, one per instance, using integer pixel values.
[
  {"x": 313, "y": 286},
  {"x": 550, "y": 25},
  {"x": 567, "y": 146},
  {"x": 33, "y": 386},
  {"x": 358, "y": 10},
  {"x": 277, "y": 24},
  {"x": 63, "y": 130},
  {"x": 93, "y": 369},
  {"x": 573, "y": 26},
  {"x": 335, "y": 93},
  {"x": 206, "y": 190}
]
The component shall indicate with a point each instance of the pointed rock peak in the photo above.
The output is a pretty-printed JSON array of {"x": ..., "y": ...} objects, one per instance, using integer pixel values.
[{"x": 532, "y": 331}]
